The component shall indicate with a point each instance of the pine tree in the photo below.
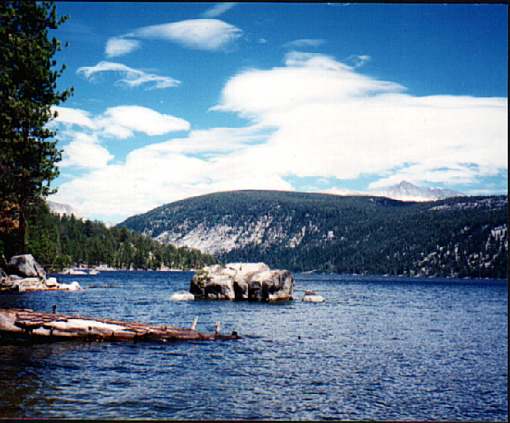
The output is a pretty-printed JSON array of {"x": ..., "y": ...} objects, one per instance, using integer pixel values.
[{"x": 28, "y": 90}]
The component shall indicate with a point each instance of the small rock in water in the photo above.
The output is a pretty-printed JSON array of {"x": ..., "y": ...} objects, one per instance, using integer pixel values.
[
  {"x": 182, "y": 296},
  {"x": 73, "y": 286},
  {"x": 313, "y": 298}
]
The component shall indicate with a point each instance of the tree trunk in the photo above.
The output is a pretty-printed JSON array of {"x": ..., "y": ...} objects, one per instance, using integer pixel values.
[{"x": 22, "y": 247}]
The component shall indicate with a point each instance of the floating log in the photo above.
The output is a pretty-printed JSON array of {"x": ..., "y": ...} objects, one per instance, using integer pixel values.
[{"x": 29, "y": 325}]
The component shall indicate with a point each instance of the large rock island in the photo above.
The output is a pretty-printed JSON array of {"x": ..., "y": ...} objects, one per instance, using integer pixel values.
[{"x": 242, "y": 281}]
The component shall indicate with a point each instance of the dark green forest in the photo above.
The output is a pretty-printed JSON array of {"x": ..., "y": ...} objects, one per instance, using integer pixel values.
[
  {"x": 458, "y": 237},
  {"x": 62, "y": 241}
]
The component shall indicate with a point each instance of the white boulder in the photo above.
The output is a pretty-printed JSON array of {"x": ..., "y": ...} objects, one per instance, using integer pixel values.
[
  {"x": 73, "y": 286},
  {"x": 313, "y": 298},
  {"x": 52, "y": 283},
  {"x": 24, "y": 265},
  {"x": 182, "y": 296}
]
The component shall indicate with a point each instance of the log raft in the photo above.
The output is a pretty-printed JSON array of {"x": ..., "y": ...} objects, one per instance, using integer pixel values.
[{"x": 32, "y": 326}]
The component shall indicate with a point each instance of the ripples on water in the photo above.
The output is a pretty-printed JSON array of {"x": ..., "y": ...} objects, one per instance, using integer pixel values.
[{"x": 378, "y": 348}]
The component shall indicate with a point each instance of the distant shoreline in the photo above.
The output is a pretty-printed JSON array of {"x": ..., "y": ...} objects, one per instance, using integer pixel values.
[{"x": 308, "y": 273}]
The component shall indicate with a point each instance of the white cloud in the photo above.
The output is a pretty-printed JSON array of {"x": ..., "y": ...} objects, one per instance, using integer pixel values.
[
  {"x": 334, "y": 121},
  {"x": 118, "y": 46},
  {"x": 218, "y": 10},
  {"x": 151, "y": 176},
  {"x": 307, "y": 79},
  {"x": 70, "y": 116},
  {"x": 342, "y": 191},
  {"x": 84, "y": 152},
  {"x": 123, "y": 121},
  {"x": 304, "y": 42},
  {"x": 201, "y": 34},
  {"x": 313, "y": 117},
  {"x": 430, "y": 173},
  {"x": 168, "y": 171},
  {"x": 212, "y": 142},
  {"x": 132, "y": 77}
]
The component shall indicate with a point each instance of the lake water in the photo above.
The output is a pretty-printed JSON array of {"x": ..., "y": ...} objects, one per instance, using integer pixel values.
[{"x": 378, "y": 348}]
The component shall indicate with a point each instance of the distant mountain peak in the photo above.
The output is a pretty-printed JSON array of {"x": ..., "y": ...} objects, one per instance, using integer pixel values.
[{"x": 407, "y": 191}]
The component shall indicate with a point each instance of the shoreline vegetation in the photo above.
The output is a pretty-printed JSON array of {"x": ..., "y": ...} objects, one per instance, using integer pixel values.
[{"x": 61, "y": 243}]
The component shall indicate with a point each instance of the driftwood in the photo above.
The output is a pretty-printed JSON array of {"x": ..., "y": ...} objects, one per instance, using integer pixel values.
[{"x": 29, "y": 325}]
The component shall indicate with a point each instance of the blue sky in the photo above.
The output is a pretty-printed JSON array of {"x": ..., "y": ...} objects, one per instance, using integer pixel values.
[{"x": 181, "y": 99}]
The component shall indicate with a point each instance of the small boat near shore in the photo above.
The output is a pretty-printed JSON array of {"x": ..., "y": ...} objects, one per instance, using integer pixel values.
[{"x": 79, "y": 272}]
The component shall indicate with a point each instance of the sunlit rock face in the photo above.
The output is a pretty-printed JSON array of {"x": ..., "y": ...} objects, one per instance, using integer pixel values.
[{"x": 24, "y": 265}]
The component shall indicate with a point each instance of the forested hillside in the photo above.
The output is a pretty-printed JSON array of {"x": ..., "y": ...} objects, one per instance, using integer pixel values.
[
  {"x": 58, "y": 242},
  {"x": 463, "y": 236}
]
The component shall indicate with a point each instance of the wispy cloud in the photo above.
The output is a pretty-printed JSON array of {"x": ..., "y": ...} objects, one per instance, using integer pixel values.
[
  {"x": 118, "y": 46},
  {"x": 218, "y": 10},
  {"x": 132, "y": 77},
  {"x": 200, "y": 34},
  {"x": 212, "y": 142},
  {"x": 304, "y": 43}
]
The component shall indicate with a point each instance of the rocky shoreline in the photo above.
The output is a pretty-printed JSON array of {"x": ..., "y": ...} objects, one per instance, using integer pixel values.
[{"x": 22, "y": 274}]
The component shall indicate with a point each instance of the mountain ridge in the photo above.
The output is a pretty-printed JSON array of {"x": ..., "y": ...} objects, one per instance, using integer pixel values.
[{"x": 462, "y": 236}]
